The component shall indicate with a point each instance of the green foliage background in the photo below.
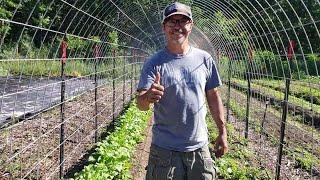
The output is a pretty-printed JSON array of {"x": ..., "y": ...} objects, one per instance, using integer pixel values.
[{"x": 234, "y": 27}]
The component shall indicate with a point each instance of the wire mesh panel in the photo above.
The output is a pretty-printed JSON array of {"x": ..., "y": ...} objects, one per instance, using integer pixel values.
[
  {"x": 65, "y": 75},
  {"x": 67, "y": 69},
  {"x": 268, "y": 53}
]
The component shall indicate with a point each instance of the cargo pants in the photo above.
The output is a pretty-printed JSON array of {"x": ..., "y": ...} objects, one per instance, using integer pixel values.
[{"x": 173, "y": 165}]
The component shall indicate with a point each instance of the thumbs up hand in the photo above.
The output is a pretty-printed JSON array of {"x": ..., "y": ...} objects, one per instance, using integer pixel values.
[
  {"x": 156, "y": 90},
  {"x": 157, "y": 80}
]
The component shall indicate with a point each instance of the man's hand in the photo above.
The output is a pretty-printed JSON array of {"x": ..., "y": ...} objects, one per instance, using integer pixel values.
[
  {"x": 155, "y": 92},
  {"x": 221, "y": 145},
  {"x": 152, "y": 95}
]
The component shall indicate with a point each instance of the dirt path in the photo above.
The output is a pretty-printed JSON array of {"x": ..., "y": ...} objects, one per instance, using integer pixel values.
[{"x": 141, "y": 155}]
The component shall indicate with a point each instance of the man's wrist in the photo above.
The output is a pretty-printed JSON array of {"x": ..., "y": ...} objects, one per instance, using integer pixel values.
[
  {"x": 223, "y": 130},
  {"x": 142, "y": 101}
]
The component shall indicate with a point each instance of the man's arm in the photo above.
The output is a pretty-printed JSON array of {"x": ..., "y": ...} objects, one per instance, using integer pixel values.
[
  {"x": 217, "y": 112},
  {"x": 152, "y": 95}
]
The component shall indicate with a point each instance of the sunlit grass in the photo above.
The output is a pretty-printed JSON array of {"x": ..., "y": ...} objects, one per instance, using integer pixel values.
[{"x": 73, "y": 68}]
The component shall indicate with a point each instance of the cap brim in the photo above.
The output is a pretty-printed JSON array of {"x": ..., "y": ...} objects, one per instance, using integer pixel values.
[{"x": 175, "y": 13}]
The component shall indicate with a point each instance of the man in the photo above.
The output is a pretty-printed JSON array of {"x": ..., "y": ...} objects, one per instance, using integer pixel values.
[{"x": 178, "y": 80}]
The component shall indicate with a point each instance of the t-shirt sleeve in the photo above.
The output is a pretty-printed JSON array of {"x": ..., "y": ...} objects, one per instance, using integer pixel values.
[
  {"x": 213, "y": 80},
  {"x": 147, "y": 76}
]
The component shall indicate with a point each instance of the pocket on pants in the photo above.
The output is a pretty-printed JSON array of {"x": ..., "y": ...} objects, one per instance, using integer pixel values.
[
  {"x": 159, "y": 165},
  {"x": 209, "y": 172}
]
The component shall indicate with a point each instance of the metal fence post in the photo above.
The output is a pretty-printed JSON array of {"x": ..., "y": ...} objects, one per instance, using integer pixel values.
[
  {"x": 96, "y": 52},
  {"x": 124, "y": 78},
  {"x": 135, "y": 68},
  {"x": 229, "y": 91},
  {"x": 283, "y": 126},
  {"x": 262, "y": 132},
  {"x": 63, "y": 49},
  {"x": 132, "y": 66},
  {"x": 113, "y": 85},
  {"x": 248, "y": 105}
]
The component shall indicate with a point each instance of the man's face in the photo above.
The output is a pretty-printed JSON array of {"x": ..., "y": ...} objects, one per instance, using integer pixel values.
[{"x": 177, "y": 28}]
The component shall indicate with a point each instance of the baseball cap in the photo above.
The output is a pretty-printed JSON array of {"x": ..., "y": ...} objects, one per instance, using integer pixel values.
[{"x": 176, "y": 8}]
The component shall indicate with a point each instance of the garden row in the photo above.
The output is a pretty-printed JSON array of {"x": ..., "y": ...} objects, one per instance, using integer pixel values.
[
  {"x": 309, "y": 112},
  {"x": 239, "y": 162},
  {"x": 302, "y": 144},
  {"x": 307, "y": 91},
  {"x": 30, "y": 149},
  {"x": 112, "y": 159}
]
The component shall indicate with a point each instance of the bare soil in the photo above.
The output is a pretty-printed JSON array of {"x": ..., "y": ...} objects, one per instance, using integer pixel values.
[{"x": 31, "y": 149}]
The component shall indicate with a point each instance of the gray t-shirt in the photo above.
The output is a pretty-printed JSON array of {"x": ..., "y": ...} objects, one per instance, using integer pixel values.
[{"x": 179, "y": 117}]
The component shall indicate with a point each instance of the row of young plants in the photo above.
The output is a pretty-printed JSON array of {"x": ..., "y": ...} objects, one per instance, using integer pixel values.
[
  {"x": 293, "y": 121},
  {"x": 302, "y": 113},
  {"x": 305, "y": 155},
  {"x": 113, "y": 156},
  {"x": 279, "y": 95},
  {"x": 238, "y": 162},
  {"x": 312, "y": 79},
  {"x": 297, "y": 89}
]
